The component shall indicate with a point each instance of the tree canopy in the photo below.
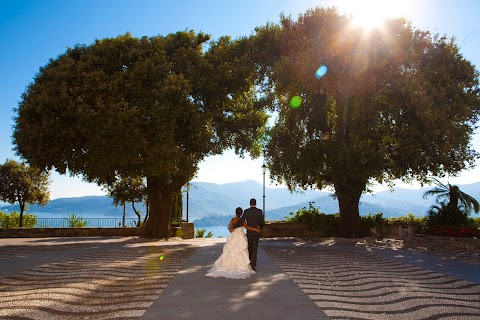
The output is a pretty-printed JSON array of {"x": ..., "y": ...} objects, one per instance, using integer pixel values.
[
  {"x": 356, "y": 107},
  {"x": 22, "y": 184},
  {"x": 150, "y": 107}
]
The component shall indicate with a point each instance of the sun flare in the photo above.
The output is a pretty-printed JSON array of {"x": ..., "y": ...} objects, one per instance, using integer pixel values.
[{"x": 370, "y": 14}]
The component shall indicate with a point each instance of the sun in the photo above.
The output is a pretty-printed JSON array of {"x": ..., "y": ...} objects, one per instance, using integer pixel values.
[{"x": 370, "y": 14}]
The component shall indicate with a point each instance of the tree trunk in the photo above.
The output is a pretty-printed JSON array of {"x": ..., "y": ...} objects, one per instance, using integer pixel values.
[
  {"x": 348, "y": 200},
  {"x": 453, "y": 201},
  {"x": 146, "y": 212},
  {"x": 137, "y": 213},
  {"x": 22, "y": 209},
  {"x": 160, "y": 208}
]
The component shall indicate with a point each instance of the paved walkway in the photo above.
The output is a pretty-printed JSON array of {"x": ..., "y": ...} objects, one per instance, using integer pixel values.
[
  {"x": 269, "y": 294},
  {"x": 131, "y": 278}
]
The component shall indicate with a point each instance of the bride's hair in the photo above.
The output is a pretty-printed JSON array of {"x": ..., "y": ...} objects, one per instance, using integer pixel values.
[{"x": 238, "y": 211}]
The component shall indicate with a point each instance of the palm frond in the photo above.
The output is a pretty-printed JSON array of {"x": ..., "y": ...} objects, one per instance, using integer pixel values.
[
  {"x": 469, "y": 202},
  {"x": 436, "y": 191}
]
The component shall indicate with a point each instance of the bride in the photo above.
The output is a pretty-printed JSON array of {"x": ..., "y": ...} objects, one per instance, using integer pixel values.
[{"x": 234, "y": 262}]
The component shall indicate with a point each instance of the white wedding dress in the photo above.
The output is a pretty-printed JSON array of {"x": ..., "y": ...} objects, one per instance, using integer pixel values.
[{"x": 234, "y": 262}]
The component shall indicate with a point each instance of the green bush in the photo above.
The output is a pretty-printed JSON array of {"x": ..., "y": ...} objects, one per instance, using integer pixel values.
[
  {"x": 419, "y": 223},
  {"x": 475, "y": 222},
  {"x": 443, "y": 215},
  {"x": 316, "y": 220},
  {"x": 371, "y": 221},
  {"x": 330, "y": 223},
  {"x": 200, "y": 233},
  {"x": 12, "y": 220},
  {"x": 74, "y": 221}
]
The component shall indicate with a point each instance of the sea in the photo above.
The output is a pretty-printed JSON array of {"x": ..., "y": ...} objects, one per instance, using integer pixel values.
[
  {"x": 56, "y": 220},
  {"x": 218, "y": 231}
]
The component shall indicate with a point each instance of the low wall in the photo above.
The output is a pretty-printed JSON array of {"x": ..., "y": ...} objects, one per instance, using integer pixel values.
[
  {"x": 186, "y": 228},
  {"x": 67, "y": 232},
  {"x": 289, "y": 229},
  {"x": 393, "y": 231},
  {"x": 443, "y": 242}
]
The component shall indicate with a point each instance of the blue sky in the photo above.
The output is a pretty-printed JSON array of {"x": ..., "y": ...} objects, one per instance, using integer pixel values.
[{"x": 32, "y": 32}]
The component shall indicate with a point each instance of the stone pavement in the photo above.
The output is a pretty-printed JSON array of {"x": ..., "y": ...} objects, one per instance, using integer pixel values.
[
  {"x": 269, "y": 294},
  {"x": 132, "y": 278}
]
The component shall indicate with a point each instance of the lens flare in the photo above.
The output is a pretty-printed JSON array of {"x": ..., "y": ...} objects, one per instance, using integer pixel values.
[
  {"x": 162, "y": 257},
  {"x": 179, "y": 233},
  {"x": 321, "y": 72},
  {"x": 295, "y": 102},
  {"x": 152, "y": 267}
]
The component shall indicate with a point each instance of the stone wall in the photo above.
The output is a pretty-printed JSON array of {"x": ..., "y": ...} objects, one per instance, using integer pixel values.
[
  {"x": 393, "y": 231},
  {"x": 442, "y": 242},
  {"x": 67, "y": 232},
  {"x": 186, "y": 228},
  {"x": 289, "y": 229}
]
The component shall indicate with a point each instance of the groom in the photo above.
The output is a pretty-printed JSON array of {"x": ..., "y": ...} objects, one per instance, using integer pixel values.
[{"x": 254, "y": 218}]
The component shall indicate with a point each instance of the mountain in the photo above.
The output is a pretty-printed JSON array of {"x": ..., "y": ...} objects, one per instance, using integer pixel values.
[
  {"x": 238, "y": 194},
  {"x": 213, "y": 201},
  {"x": 89, "y": 206}
]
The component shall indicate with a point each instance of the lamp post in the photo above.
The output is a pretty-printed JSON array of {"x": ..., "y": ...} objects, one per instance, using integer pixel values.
[
  {"x": 188, "y": 188},
  {"x": 264, "y": 169}
]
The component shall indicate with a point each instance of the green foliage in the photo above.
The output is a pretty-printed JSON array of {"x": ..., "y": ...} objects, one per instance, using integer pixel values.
[
  {"x": 419, "y": 223},
  {"x": 23, "y": 184},
  {"x": 330, "y": 223},
  {"x": 74, "y": 221},
  {"x": 12, "y": 220},
  {"x": 457, "y": 199},
  {"x": 316, "y": 220},
  {"x": 200, "y": 233},
  {"x": 371, "y": 221},
  {"x": 444, "y": 215},
  {"x": 150, "y": 107},
  {"x": 388, "y": 107},
  {"x": 476, "y": 223}
]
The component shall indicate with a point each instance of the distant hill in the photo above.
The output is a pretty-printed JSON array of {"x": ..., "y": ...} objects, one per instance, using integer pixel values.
[
  {"x": 89, "y": 206},
  {"x": 218, "y": 202}
]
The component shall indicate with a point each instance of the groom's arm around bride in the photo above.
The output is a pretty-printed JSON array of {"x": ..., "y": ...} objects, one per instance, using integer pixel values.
[{"x": 253, "y": 217}]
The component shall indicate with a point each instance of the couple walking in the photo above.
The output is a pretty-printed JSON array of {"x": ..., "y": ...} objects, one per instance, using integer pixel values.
[{"x": 239, "y": 257}]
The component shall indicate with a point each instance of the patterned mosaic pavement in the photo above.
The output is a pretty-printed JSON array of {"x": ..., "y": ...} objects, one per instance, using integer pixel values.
[
  {"x": 347, "y": 283},
  {"x": 119, "y": 281},
  {"x": 120, "y": 278}
]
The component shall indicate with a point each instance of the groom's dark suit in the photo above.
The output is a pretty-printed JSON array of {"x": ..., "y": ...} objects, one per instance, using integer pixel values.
[{"x": 254, "y": 218}]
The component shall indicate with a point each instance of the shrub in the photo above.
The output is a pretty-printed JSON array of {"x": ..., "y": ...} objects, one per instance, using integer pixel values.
[
  {"x": 316, "y": 220},
  {"x": 444, "y": 215},
  {"x": 475, "y": 222},
  {"x": 12, "y": 220},
  {"x": 455, "y": 231},
  {"x": 200, "y": 233},
  {"x": 419, "y": 223},
  {"x": 74, "y": 221},
  {"x": 371, "y": 221}
]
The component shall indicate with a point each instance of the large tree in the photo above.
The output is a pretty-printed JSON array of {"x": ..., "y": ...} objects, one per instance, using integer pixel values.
[
  {"x": 22, "y": 184},
  {"x": 149, "y": 107},
  {"x": 395, "y": 103}
]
